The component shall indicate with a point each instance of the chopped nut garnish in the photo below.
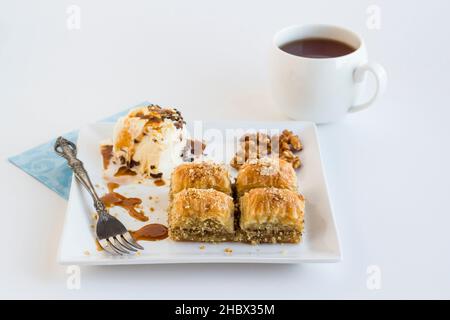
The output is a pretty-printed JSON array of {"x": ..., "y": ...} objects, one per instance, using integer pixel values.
[
  {"x": 297, "y": 162},
  {"x": 259, "y": 145},
  {"x": 205, "y": 169},
  {"x": 287, "y": 155},
  {"x": 295, "y": 143}
]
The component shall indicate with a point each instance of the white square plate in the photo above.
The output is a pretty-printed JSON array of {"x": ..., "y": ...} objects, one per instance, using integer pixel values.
[{"x": 320, "y": 240}]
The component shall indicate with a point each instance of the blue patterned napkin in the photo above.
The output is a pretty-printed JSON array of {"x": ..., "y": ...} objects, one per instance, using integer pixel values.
[{"x": 43, "y": 164}]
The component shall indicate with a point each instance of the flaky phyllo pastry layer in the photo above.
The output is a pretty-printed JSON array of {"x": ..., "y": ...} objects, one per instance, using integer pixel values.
[
  {"x": 201, "y": 215},
  {"x": 270, "y": 215},
  {"x": 202, "y": 175},
  {"x": 266, "y": 172}
]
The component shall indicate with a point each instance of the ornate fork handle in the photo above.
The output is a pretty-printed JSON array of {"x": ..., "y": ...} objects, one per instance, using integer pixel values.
[{"x": 68, "y": 150}]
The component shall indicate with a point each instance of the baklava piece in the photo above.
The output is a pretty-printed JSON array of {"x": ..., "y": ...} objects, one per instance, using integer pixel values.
[
  {"x": 205, "y": 215},
  {"x": 201, "y": 175},
  {"x": 270, "y": 215},
  {"x": 266, "y": 172}
]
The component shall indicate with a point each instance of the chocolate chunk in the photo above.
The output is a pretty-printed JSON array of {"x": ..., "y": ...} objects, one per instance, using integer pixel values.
[{"x": 156, "y": 175}]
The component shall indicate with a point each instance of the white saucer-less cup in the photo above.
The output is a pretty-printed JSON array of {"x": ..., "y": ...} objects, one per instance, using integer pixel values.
[{"x": 321, "y": 89}]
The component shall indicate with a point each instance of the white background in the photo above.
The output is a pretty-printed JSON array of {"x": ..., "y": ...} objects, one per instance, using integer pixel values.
[{"x": 387, "y": 168}]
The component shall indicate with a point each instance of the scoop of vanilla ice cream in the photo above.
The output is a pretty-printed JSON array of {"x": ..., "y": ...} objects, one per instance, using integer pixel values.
[{"x": 150, "y": 141}]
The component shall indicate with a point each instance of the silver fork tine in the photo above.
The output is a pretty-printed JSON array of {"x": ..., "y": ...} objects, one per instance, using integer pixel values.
[
  {"x": 114, "y": 251},
  {"x": 116, "y": 247},
  {"x": 106, "y": 247},
  {"x": 128, "y": 238},
  {"x": 124, "y": 243},
  {"x": 119, "y": 245}
]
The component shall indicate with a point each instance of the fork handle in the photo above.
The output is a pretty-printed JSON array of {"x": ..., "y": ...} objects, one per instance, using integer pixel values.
[{"x": 68, "y": 150}]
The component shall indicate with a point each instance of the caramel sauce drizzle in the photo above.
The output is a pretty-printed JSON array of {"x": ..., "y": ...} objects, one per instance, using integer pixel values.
[
  {"x": 107, "y": 154},
  {"x": 124, "y": 171},
  {"x": 112, "y": 199},
  {"x": 159, "y": 182},
  {"x": 151, "y": 232}
]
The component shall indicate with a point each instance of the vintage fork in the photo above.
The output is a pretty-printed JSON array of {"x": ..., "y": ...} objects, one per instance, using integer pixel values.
[{"x": 111, "y": 233}]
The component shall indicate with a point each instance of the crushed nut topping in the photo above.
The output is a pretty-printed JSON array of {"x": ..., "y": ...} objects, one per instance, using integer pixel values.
[{"x": 205, "y": 169}]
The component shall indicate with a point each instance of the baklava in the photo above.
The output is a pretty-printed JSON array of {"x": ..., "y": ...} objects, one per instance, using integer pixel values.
[
  {"x": 205, "y": 215},
  {"x": 271, "y": 215},
  {"x": 201, "y": 175},
  {"x": 265, "y": 172}
]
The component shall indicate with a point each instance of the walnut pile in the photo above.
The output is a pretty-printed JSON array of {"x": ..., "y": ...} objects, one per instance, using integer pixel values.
[{"x": 259, "y": 145}]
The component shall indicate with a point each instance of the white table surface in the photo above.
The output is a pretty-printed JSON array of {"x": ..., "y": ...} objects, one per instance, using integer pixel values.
[{"x": 387, "y": 168}]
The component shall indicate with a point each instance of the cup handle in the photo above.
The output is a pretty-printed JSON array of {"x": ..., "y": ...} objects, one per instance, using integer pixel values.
[{"x": 380, "y": 78}]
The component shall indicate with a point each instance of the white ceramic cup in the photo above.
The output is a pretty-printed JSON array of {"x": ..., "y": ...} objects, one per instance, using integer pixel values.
[{"x": 322, "y": 89}]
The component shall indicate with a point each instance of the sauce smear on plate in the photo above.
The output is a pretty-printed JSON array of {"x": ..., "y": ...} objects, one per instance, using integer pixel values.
[
  {"x": 112, "y": 199},
  {"x": 151, "y": 232}
]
